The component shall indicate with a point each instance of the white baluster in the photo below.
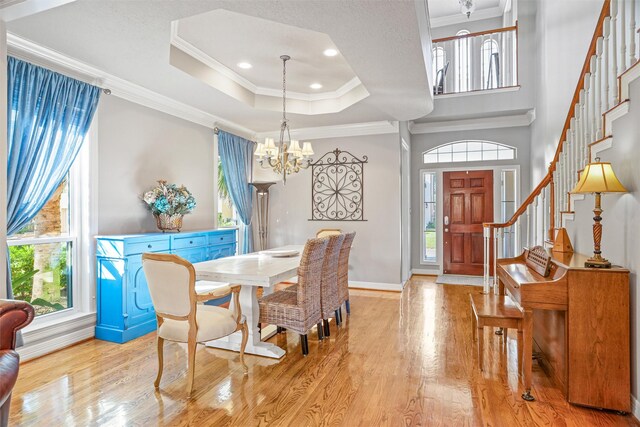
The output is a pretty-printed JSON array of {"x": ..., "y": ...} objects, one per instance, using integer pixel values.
[
  {"x": 527, "y": 234},
  {"x": 535, "y": 221},
  {"x": 598, "y": 96},
  {"x": 632, "y": 32},
  {"x": 486, "y": 285},
  {"x": 622, "y": 64},
  {"x": 496, "y": 243},
  {"x": 593, "y": 125},
  {"x": 606, "y": 96},
  {"x": 574, "y": 144},
  {"x": 614, "y": 54},
  {"x": 586, "y": 117}
]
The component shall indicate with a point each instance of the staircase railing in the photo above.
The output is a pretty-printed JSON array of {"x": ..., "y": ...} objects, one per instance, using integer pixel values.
[{"x": 611, "y": 52}]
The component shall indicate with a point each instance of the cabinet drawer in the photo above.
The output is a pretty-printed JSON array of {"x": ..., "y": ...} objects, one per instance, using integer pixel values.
[
  {"x": 189, "y": 242},
  {"x": 222, "y": 238},
  {"x": 157, "y": 245}
]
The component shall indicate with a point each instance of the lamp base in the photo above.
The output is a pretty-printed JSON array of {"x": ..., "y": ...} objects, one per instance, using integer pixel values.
[{"x": 597, "y": 263}]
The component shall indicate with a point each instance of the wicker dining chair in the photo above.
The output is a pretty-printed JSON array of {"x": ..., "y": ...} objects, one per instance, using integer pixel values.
[
  {"x": 326, "y": 232},
  {"x": 172, "y": 286},
  {"x": 330, "y": 297},
  {"x": 299, "y": 311},
  {"x": 343, "y": 271}
]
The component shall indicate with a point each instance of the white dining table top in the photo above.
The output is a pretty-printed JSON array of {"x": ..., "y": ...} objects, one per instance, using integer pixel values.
[{"x": 254, "y": 269}]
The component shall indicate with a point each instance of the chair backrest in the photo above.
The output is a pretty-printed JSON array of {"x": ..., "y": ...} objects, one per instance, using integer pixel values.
[
  {"x": 310, "y": 275},
  {"x": 343, "y": 262},
  {"x": 171, "y": 281},
  {"x": 326, "y": 232},
  {"x": 329, "y": 292}
]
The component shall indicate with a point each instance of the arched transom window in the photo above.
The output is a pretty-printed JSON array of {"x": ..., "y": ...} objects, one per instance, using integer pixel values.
[{"x": 469, "y": 151}]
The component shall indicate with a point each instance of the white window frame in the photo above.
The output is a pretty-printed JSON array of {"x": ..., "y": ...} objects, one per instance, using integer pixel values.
[
  {"x": 463, "y": 68},
  {"x": 484, "y": 65},
  {"x": 423, "y": 243},
  {"x": 80, "y": 219},
  {"x": 467, "y": 141},
  {"x": 434, "y": 53}
]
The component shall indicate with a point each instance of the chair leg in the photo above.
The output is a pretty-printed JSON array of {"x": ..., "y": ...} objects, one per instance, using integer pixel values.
[
  {"x": 348, "y": 307},
  {"x": 160, "y": 361},
  {"x": 327, "y": 331},
  {"x": 337, "y": 315},
  {"x": 520, "y": 346},
  {"x": 480, "y": 346},
  {"x": 320, "y": 335},
  {"x": 340, "y": 313},
  {"x": 278, "y": 330},
  {"x": 191, "y": 346},
  {"x": 305, "y": 344},
  {"x": 4, "y": 411},
  {"x": 243, "y": 345}
]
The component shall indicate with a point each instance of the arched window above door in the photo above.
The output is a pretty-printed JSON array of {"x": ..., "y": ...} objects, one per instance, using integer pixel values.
[{"x": 469, "y": 151}]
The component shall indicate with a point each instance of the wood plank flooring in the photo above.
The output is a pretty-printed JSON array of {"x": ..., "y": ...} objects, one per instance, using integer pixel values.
[{"x": 399, "y": 360}]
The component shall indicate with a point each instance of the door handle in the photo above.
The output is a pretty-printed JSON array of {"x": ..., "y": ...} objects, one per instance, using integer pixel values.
[{"x": 446, "y": 220}]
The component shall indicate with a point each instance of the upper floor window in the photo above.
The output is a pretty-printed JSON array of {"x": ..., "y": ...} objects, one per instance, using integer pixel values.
[
  {"x": 469, "y": 151},
  {"x": 463, "y": 62},
  {"x": 490, "y": 57}
]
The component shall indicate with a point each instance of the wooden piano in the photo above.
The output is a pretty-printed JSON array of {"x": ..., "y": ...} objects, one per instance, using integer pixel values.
[{"x": 578, "y": 320}]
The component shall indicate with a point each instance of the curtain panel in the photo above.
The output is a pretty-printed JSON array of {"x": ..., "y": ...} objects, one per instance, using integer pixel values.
[
  {"x": 236, "y": 156},
  {"x": 49, "y": 115}
]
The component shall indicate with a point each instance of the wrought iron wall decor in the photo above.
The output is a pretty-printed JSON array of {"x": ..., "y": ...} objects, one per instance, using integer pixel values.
[{"x": 337, "y": 183}]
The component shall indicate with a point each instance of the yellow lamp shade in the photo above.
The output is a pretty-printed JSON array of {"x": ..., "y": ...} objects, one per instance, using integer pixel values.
[{"x": 598, "y": 177}]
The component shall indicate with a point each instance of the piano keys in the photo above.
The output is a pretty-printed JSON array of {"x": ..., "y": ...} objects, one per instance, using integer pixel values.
[{"x": 578, "y": 319}]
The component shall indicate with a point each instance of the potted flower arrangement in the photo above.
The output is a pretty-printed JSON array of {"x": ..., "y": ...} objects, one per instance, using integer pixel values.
[{"x": 169, "y": 203}]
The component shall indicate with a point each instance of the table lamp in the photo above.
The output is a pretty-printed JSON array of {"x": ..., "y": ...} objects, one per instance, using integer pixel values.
[{"x": 598, "y": 178}]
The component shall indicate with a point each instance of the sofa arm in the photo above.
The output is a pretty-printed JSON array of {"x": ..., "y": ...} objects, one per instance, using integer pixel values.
[{"x": 14, "y": 315}]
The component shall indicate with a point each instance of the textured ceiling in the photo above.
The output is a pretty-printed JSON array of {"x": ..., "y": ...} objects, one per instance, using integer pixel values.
[{"x": 130, "y": 39}]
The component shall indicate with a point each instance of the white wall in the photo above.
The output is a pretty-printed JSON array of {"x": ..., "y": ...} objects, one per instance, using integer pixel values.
[
  {"x": 471, "y": 26},
  {"x": 137, "y": 147},
  {"x": 621, "y": 218},
  {"x": 518, "y": 137},
  {"x": 375, "y": 256},
  {"x": 563, "y": 31}
]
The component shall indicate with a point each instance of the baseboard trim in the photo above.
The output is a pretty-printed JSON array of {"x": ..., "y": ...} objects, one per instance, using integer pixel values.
[
  {"x": 425, "y": 272},
  {"x": 395, "y": 287},
  {"x": 49, "y": 338}
]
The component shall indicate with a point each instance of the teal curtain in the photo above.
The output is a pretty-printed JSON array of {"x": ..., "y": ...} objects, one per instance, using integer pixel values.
[
  {"x": 236, "y": 156},
  {"x": 48, "y": 116}
]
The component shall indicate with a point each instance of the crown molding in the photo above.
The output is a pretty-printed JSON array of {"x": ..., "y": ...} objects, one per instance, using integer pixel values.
[
  {"x": 338, "y": 131},
  {"x": 43, "y": 56},
  {"x": 474, "y": 124}
]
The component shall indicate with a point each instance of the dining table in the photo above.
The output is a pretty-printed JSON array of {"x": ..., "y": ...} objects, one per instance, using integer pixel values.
[{"x": 252, "y": 271}]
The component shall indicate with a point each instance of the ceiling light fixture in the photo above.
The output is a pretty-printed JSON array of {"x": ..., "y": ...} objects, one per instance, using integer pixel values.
[
  {"x": 315, "y": 86},
  {"x": 330, "y": 52},
  {"x": 286, "y": 157},
  {"x": 467, "y": 7},
  {"x": 244, "y": 65}
]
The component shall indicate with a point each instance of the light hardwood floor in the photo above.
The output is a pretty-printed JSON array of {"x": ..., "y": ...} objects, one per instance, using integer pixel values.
[{"x": 400, "y": 359}]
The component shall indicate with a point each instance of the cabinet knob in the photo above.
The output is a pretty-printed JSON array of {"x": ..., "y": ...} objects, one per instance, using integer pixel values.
[
  {"x": 149, "y": 246},
  {"x": 191, "y": 242},
  {"x": 222, "y": 238}
]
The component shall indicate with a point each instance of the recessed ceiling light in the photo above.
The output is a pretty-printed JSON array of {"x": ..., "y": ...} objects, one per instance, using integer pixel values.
[
  {"x": 315, "y": 86},
  {"x": 244, "y": 65},
  {"x": 330, "y": 52}
]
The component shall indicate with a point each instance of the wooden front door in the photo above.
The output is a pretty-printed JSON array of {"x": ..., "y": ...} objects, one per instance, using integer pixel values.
[{"x": 468, "y": 202}]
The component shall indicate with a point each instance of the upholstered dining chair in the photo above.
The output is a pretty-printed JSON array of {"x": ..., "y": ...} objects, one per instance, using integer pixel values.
[
  {"x": 172, "y": 286},
  {"x": 326, "y": 232},
  {"x": 299, "y": 311},
  {"x": 343, "y": 271}
]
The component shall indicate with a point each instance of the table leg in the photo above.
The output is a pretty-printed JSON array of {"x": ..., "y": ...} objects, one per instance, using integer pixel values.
[
  {"x": 251, "y": 310},
  {"x": 527, "y": 353}
]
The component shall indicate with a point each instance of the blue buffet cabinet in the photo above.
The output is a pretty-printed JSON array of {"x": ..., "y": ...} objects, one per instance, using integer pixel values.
[{"x": 124, "y": 308}]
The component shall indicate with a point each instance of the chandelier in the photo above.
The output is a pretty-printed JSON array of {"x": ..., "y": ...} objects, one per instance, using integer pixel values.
[
  {"x": 467, "y": 7},
  {"x": 285, "y": 157}
]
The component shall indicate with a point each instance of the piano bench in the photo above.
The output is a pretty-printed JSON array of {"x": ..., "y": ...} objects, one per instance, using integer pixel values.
[{"x": 497, "y": 311}]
